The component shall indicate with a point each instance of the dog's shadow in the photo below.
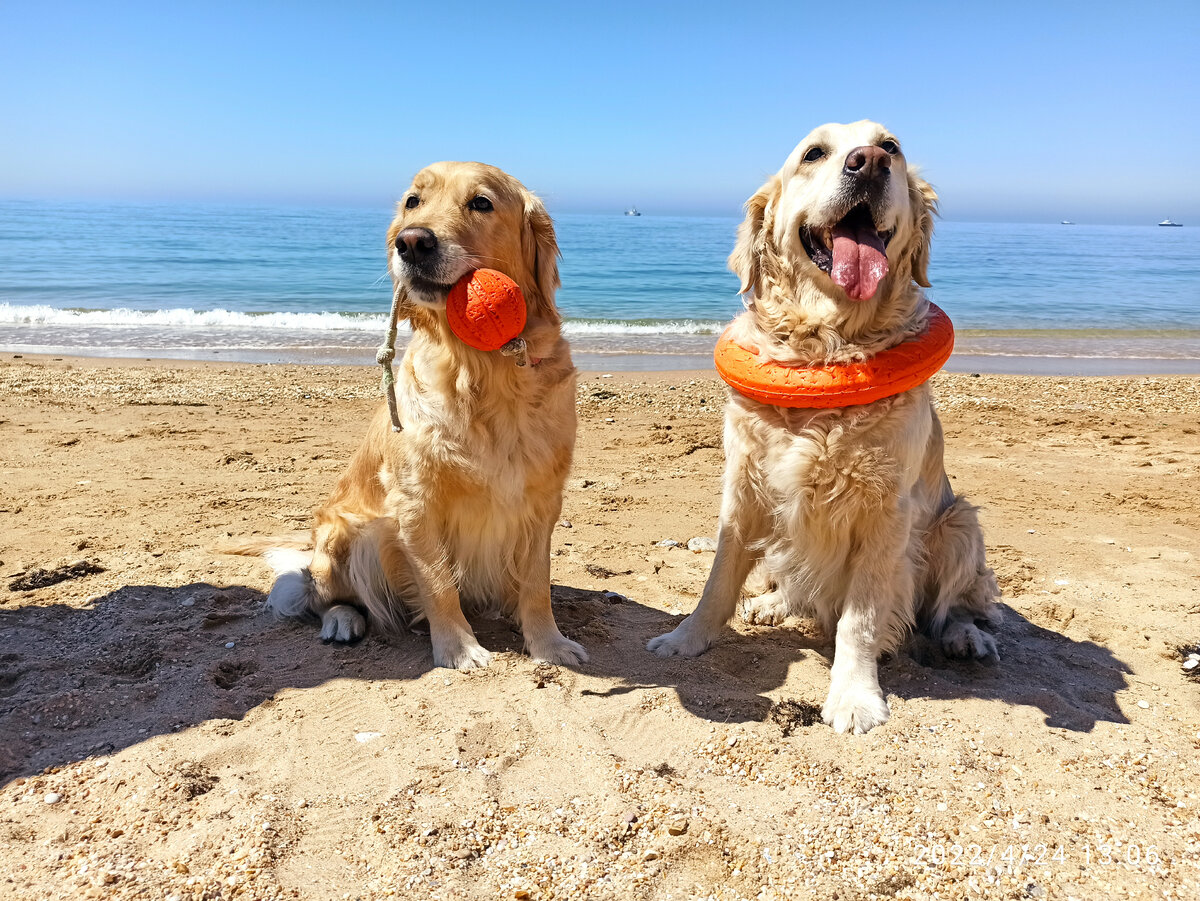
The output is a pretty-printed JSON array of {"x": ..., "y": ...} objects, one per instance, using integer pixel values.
[
  {"x": 151, "y": 660},
  {"x": 1073, "y": 683}
]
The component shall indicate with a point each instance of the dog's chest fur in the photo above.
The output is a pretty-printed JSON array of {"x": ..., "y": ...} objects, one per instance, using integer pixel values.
[
  {"x": 826, "y": 475},
  {"x": 483, "y": 469}
]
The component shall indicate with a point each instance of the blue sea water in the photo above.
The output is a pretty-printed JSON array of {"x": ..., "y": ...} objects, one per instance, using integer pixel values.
[{"x": 296, "y": 284}]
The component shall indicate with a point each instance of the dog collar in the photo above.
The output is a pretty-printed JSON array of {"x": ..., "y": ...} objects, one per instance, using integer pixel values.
[{"x": 889, "y": 372}]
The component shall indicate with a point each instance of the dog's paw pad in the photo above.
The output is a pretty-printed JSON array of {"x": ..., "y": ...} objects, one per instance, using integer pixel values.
[
  {"x": 856, "y": 710},
  {"x": 342, "y": 624},
  {"x": 965, "y": 639}
]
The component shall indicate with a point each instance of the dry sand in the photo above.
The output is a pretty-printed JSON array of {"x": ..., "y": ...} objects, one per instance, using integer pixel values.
[{"x": 162, "y": 736}]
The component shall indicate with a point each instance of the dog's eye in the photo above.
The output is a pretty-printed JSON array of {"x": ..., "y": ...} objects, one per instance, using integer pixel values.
[
  {"x": 890, "y": 146},
  {"x": 412, "y": 202},
  {"x": 813, "y": 155},
  {"x": 481, "y": 204}
]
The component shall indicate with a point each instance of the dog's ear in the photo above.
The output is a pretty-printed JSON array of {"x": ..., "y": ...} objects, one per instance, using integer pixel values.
[
  {"x": 924, "y": 202},
  {"x": 540, "y": 247},
  {"x": 746, "y": 259}
]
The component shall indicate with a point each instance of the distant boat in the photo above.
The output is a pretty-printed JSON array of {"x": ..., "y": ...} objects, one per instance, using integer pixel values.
[
  {"x": 1067, "y": 222},
  {"x": 632, "y": 211},
  {"x": 1169, "y": 224}
]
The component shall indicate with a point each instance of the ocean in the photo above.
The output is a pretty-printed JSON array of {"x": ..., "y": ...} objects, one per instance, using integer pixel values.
[{"x": 291, "y": 284}]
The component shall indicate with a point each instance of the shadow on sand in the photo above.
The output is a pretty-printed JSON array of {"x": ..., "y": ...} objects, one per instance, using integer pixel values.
[{"x": 149, "y": 660}]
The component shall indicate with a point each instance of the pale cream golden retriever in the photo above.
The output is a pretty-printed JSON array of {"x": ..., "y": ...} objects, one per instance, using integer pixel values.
[
  {"x": 848, "y": 511},
  {"x": 456, "y": 508}
]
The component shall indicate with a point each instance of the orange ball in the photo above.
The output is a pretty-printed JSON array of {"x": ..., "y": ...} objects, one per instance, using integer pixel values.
[{"x": 486, "y": 309}]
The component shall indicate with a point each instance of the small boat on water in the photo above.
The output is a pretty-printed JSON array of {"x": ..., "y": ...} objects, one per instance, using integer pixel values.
[
  {"x": 1169, "y": 224},
  {"x": 1066, "y": 222},
  {"x": 632, "y": 211}
]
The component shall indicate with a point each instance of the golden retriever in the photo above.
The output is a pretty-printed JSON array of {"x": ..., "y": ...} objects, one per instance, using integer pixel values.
[
  {"x": 848, "y": 511},
  {"x": 457, "y": 506}
]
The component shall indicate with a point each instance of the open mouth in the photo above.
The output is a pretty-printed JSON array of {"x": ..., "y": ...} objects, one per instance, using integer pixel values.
[{"x": 853, "y": 252}]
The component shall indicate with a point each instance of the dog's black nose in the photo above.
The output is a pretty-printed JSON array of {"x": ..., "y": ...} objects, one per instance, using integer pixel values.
[
  {"x": 868, "y": 163},
  {"x": 416, "y": 244}
]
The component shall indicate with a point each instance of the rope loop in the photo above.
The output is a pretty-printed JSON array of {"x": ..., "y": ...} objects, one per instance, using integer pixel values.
[{"x": 384, "y": 357}]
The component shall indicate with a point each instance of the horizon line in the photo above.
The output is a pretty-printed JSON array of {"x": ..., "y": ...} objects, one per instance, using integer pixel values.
[{"x": 570, "y": 210}]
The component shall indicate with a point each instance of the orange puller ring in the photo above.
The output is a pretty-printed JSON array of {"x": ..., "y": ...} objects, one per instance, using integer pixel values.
[{"x": 888, "y": 373}]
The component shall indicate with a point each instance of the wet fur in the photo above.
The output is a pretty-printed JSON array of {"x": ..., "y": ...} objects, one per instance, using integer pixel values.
[
  {"x": 455, "y": 511},
  {"x": 847, "y": 513}
]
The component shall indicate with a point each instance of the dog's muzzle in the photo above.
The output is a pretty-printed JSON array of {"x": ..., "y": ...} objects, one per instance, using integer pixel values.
[
  {"x": 854, "y": 251},
  {"x": 422, "y": 262}
]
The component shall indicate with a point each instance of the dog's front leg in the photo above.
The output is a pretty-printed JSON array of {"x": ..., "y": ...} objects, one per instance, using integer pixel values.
[
  {"x": 880, "y": 590},
  {"x": 855, "y": 702},
  {"x": 743, "y": 519},
  {"x": 730, "y": 567},
  {"x": 543, "y": 640},
  {"x": 454, "y": 642}
]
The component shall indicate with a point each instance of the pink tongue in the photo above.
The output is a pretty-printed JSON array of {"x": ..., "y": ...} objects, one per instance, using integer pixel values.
[{"x": 859, "y": 262}]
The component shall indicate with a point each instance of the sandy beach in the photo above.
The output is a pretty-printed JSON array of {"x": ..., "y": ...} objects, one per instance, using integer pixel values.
[{"x": 163, "y": 736}]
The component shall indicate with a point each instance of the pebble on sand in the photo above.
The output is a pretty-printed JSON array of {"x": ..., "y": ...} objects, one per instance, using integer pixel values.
[{"x": 701, "y": 545}]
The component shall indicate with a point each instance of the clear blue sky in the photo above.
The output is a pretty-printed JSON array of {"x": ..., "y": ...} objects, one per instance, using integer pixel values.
[{"x": 1031, "y": 112}]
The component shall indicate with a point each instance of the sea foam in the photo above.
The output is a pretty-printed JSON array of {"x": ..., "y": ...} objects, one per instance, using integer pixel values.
[
  {"x": 40, "y": 314},
  {"x": 122, "y": 317}
]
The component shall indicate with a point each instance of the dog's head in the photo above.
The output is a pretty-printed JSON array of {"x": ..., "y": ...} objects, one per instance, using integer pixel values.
[
  {"x": 846, "y": 213},
  {"x": 456, "y": 217}
]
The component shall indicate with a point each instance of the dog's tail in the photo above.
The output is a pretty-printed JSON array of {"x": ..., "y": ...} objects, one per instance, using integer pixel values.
[
  {"x": 290, "y": 556},
  {"x": 263, "y": 546},
  {"x": 292, "y": 593}
]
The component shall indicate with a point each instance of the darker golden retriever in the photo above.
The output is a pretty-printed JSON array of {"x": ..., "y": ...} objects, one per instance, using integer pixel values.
[{"x": 455, "y": 509}]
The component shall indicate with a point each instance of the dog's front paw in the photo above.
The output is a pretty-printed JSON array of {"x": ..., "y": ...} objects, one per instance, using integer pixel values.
[
  {"x": 768, "y": 609},
  {"x": 343, "y": 624},
  {"x": 684, "y": 641},
  {"x": 962, "y": 638},
  {"x": 558, "y": 649},
  {"x": 459, "y": 650},
  {"x": 856, "y": 709}
]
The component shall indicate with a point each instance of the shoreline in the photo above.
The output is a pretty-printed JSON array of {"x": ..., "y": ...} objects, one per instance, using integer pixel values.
[{"x": 694, "y": 365}]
